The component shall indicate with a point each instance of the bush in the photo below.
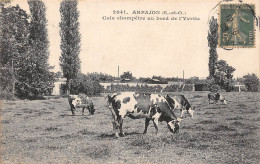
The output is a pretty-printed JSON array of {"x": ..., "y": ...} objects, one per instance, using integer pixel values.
[
  {"x": 83, "y": 84},
  {"x": 7, "y": 94},
  {"x": 214, "y": 88},
  {"x": 137, "y": 88},
  {"x": 251, "y": 82},
  {"x": 201, "y": 87}
]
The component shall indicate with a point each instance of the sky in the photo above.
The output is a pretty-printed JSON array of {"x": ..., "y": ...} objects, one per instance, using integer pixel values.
[{"x": 146, "y": 48}]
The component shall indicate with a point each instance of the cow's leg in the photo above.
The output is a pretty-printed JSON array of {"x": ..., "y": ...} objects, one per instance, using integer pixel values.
[
  {"x": 182, "y": 112},
  {"x": 155, "y": 123},
  {"x": 116, "y": 126},
  {"x": 83, "y": 111},
  {"x": 121, "y": 126},
  {"x": 115, "y": 122},
  {"x": 72, "y": 111},
  {"x": 147, "y": 120}
]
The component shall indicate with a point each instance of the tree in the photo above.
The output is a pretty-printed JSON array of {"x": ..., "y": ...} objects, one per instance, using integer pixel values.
[
  {"x": 14, "y": 27},
  {"x": 70, "y": 40},
  {"x": 212, "y": 43},
  {"x": 127, "y": 75},
  {"x": 58, "y": 75},
  {"x": 224, "y": 74},
  {"x": 251, "y": 82},
  {"x": 36, "y": 78}
]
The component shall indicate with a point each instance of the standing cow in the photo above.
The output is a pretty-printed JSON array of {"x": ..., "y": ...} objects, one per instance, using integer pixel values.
[
  {"x": 81, "y": 101},
  {"x": 140, "y": 105},
  {"x": 216, "y": 97},
  {"x": 179, "y": 102}
]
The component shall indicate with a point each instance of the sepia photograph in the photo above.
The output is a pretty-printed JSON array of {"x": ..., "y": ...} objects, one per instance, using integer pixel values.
[{"x": 135, "y": 81}]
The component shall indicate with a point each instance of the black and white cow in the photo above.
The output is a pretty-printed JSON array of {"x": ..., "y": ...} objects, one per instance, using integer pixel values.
[
  {"x": 179, "y": 102},
  {"x": 141, "y": 105},
  {"x": 81, "y": 101},
  {"x": 216, "y": 97}
]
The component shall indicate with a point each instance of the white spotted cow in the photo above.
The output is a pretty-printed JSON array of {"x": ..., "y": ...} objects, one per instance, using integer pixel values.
[
  {"x": 141, "y": 105},
  {"x": 179, "y": 102},
  {"x": 81, "y": 101},
  {"x": 216, "y": 97}
]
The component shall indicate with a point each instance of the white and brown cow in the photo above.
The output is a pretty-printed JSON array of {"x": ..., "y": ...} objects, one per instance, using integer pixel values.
[
  {"x": 217, "y": 97},
  {"x": 81, "y": 101},
  {"x": 141, "y": 105},
  {"x": 179, "y": 102}
]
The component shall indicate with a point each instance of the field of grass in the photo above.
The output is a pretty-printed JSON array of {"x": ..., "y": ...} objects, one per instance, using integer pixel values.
[{"x": 43, "y": 131}]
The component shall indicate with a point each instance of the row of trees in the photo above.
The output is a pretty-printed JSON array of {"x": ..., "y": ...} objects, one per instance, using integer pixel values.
[{"x": 24, "y": 51}]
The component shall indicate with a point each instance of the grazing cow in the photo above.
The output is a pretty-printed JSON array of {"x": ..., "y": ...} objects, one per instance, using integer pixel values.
[
  {"x": 216, "y": 97},
  {"x": 179, "y": 102},
  {"x": 141, "y": 105},
  {"x": 81, "y": 101}
]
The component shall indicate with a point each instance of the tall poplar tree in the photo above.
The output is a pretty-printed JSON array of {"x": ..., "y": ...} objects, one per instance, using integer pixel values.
[
  {"x": 36, "y": 75},
  {"x": 212, "y": 43},
  {"x": 70, "y": 40}
]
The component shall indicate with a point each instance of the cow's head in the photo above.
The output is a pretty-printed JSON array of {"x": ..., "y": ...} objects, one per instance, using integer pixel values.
[
  {"x": 174, "y": 125},
  {"x": 190, "y": 111}
]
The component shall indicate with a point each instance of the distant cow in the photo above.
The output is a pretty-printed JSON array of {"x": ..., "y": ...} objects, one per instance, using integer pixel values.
[
  {"x": 216, "y": 97},
  {"x": 141, "y": 105},
  {"x": 179, "y": 102},
  {"x": 81, "y": 101}
]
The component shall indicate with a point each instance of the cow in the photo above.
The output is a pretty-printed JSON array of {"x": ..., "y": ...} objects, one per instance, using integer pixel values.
[
  {"x": 216, "y": 97},
  {"x": 81, "y": 101},
  {"x": 141, "y": 105},
  {"x": 179, "y": 102}
]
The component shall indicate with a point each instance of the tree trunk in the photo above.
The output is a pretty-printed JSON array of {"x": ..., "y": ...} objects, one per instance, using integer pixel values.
[{"x": 68, "y": 86}]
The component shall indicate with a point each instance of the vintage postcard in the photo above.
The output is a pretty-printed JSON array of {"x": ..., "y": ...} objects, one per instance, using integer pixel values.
[{"x": 159, "y": 81}]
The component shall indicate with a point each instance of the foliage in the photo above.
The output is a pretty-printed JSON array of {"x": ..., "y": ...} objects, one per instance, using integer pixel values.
[
  {"x": 178, "y": 88},
  {"x": 14, "y": 33},
  {"x": 224, "y": 74},
  {"x": 70, "y": 40},
  {"x": 58, "y": 75},
  {"x": 251, "y": 82},
  {"x": 83, "y": 84},
  {"x": 139, "y": 88},
  {"x": 24, "y": 51},
  {"x": 192, "y": 80},
  {"x": 127, "y": 75},
  {"x": 212, "y": 43},
  {"x": 7, "y": 94},
  {"x": 101, "y": 77},
  {"x": 35, "y": 77}
]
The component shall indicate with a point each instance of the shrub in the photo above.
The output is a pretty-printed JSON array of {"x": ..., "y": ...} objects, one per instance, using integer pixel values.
[
  {"x": 214, "y": 88},
  {"x": 251, "y": 82},
  {"x": 7, "y": 94},
  {"x": 83, "y": 84}
]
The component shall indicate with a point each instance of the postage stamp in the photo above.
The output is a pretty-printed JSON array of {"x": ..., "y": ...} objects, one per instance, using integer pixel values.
[{"x": 236, "y": 26}]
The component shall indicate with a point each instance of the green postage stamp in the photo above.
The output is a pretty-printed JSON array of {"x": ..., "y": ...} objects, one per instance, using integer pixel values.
[{"x": 236, "y": 25}]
